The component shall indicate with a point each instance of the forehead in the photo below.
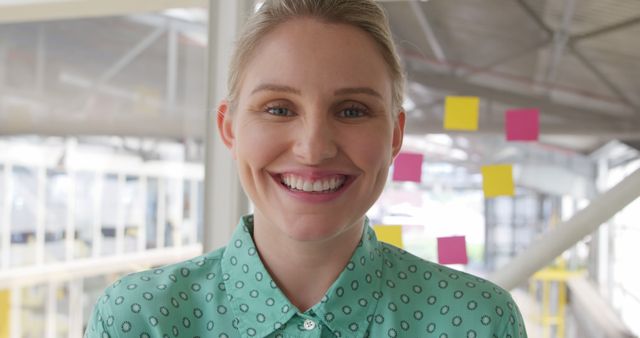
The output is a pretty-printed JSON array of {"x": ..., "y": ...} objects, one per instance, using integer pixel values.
[{"x": 310, "y": 54}]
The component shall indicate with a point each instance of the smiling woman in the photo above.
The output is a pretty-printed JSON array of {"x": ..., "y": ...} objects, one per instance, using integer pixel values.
[{"x": 313, "y": 120}]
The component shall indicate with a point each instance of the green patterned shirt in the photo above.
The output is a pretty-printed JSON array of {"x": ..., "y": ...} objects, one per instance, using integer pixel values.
[{"x": 382, "y": 292}]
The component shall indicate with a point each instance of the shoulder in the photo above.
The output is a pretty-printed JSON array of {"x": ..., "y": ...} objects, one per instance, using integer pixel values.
[
  {"x": 403, "y": 267},
  {"x": 451, "y": 298},
  {"x": 161, "y": 279},
  {"x": 141, "y": 299}
]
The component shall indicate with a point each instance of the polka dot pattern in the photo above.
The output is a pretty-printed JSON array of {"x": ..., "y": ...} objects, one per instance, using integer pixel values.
[{"x": 382, "y": 292}]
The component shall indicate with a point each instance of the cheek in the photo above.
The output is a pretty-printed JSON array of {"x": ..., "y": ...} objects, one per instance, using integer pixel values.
[
  {"x": 371, "y": 150},
  {"x": 257, "y": 144}
]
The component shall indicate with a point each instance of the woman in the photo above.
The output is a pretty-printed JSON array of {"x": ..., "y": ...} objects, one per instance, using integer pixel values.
[{"x": 313, "y": 121}]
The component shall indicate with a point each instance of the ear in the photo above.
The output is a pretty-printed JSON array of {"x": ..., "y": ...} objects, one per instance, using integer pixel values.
[
  {"x": 225, "y": 125},
  {"x": 398, "y": 133}
]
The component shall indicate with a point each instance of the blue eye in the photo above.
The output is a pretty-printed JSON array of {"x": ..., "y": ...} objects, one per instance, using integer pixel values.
[
  {"x": 353, "y": 112},
  {"x": 278, "y": 111}
]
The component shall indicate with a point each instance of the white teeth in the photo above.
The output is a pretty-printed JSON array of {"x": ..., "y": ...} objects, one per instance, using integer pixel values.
[
  {"x": 308, "y": 186},
  {"x": 321, "y": 185}
]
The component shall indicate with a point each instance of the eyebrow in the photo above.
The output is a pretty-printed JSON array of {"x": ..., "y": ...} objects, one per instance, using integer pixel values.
[
  {"x": 339, "y": 92},
  {"x": 275, "y": 88},
  {"x": 358, "y": 90}
]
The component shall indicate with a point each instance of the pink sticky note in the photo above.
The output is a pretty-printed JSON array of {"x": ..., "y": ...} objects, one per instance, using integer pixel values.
[
  {"x": 452, "y": 250},
  {"x": 522, "y": 124},
  {"x": 408, "y": 167}
]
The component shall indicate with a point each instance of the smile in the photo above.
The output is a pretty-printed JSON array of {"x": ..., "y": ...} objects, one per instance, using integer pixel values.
[{"x": 321, "y": 185}]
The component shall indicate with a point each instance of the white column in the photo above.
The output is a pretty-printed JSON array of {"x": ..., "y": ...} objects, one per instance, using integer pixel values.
[
  {"x": 544, "y": 250},
  {"x": 224, "y": 198}
]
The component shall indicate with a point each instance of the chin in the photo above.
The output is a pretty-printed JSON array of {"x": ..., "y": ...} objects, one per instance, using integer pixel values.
[{"x": 307, "y": 229}]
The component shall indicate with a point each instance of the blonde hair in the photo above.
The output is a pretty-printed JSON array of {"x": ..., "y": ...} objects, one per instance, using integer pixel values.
[{"x": 364, "y": 14}]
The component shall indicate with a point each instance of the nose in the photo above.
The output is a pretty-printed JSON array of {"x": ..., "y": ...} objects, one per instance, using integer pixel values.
[{"x": 315, "y": 141}]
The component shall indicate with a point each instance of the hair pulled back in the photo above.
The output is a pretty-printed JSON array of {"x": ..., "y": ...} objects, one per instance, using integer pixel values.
[{"x": 364, "y": 14}]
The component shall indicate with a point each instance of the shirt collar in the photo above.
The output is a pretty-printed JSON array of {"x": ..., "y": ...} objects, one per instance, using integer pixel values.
[
  {"x": 260, "y": 305},
  {"x": 349, "y": 304},
  {"x": 255, "y": 299}
]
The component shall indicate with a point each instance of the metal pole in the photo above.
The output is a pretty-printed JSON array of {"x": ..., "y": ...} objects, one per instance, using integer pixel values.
[
  {"x": 432, "y": 40},
  {"x": 547, "y": 248}
]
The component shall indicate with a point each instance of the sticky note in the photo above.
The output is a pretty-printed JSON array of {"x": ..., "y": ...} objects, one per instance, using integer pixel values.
[
  {"x": 497, "y": 180},
  {"x": 407, "y": 167},
  {"x": 522, "y": 124},
  {"x": 461, "y": 113},
  {"x": 391, "y": 234},
  {"x": 452, "y": 250}
]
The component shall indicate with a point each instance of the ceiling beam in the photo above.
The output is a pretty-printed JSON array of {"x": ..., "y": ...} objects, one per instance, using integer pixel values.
[
  {"x": 560, "y": 40},
  {"x": 606, "y": 30},
  {"x": 429, "y": 34},
  {"x": 451, "y": 83},
  {"x": 602, "y": 77},
  {"x": 535, "y": 17},
  {"x": 45, "y": 10}
]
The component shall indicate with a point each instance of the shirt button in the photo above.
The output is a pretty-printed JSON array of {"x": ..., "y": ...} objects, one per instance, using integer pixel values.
[{"x": 309, "y": 324}]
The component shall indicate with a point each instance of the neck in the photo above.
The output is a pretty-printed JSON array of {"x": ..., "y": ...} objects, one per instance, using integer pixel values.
[{"x": 304, "y": 270}]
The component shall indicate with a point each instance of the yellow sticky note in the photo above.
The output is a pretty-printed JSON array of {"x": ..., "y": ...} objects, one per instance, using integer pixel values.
[
  {"x": 461, "y": 113},
  {"x": 391, "y": 234},
  {"x": 5, "y": 310},
  {"x": 497, "y": 180}
]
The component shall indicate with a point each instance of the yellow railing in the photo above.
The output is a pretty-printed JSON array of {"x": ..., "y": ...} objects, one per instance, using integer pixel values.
[
  {"x": 546, "y": 278},
  {"x": 5, "y": 307}
]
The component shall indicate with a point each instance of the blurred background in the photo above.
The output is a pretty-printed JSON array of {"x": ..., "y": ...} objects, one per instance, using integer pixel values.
[{"x": 108, "y": 163}]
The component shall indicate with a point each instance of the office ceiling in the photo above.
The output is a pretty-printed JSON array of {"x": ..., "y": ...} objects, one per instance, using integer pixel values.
[{"x": 576, "y": 60}]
